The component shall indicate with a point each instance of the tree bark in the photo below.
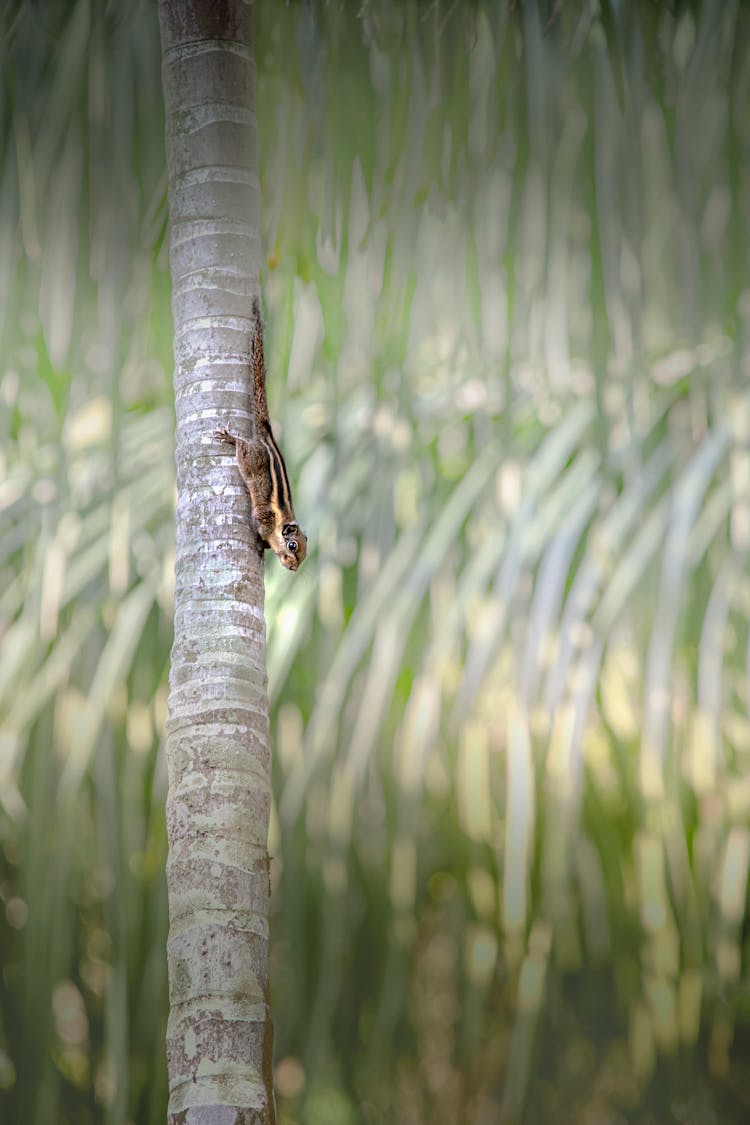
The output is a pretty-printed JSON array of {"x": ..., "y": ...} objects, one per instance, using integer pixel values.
[{"x": 219, "y": 1037}]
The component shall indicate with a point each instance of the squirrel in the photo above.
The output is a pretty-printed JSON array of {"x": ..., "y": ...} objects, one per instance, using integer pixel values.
[{"x": 263, "y": 470}]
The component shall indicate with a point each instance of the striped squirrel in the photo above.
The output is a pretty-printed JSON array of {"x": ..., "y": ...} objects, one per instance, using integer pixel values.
[{"x": 263, "y": 470}]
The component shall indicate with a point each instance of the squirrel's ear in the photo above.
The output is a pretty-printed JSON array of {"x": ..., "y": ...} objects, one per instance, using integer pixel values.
[{"x": 289, "y": 529}]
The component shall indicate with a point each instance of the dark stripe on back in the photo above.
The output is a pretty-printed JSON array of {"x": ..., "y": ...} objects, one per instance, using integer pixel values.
[
  {"x": 281, "y": 481},
  {"x": 287, "y": 486},
  {"x": 271, "y": 476}
]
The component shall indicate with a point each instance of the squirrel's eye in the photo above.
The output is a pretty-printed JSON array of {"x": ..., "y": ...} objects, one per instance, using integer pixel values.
[{"x": 292, "y": 546}]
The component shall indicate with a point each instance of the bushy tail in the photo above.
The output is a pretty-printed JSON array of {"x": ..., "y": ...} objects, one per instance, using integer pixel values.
[{"x": 259, "y": 368}]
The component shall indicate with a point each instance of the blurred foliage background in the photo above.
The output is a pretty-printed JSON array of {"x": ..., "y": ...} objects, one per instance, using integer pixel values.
[{"x": 508, "y": 312}]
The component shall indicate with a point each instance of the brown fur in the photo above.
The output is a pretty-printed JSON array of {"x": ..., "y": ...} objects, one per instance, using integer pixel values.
[
  {"x": 263, "y": 470},
  {"x": 259, "y": 370}
]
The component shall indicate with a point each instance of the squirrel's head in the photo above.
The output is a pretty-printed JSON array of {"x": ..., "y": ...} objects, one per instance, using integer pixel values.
[{"x": 294, "y": 546}]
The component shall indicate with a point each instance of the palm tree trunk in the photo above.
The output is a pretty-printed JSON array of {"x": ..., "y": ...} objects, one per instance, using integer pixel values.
[{"x": 219, "y": 1038}]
